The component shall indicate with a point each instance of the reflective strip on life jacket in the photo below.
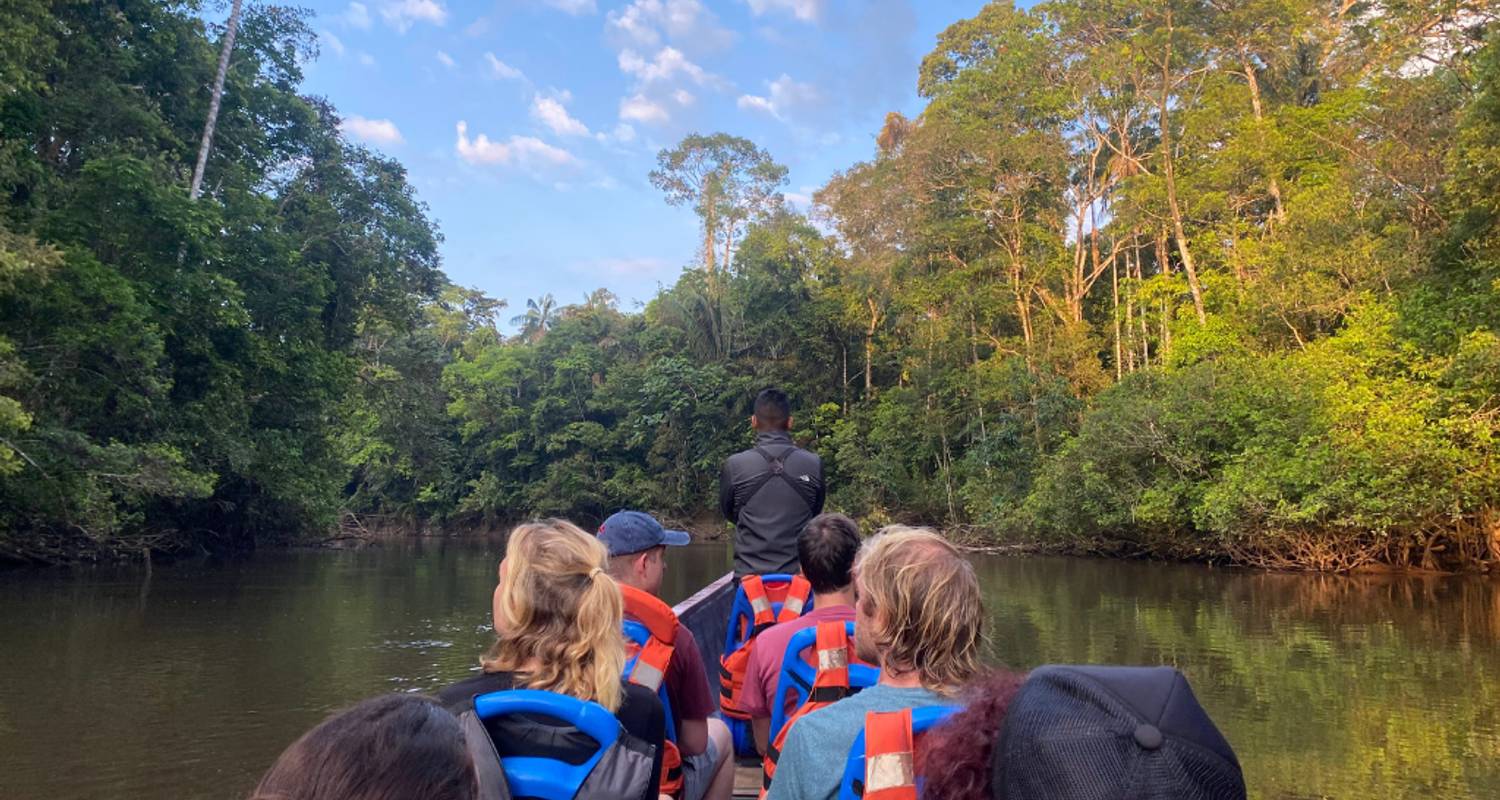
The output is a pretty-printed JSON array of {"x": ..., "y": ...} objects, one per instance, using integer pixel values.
[
  {"x": 797, "y": 595},
  {"x": 830, "y": 685},
  {"x": 656, "y": 654},
  {"x": 890, "y": 767},
  {"x": 755, "y": 592}
]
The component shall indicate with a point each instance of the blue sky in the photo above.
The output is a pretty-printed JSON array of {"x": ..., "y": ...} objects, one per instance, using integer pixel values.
[{"x": 529, "y": 126}]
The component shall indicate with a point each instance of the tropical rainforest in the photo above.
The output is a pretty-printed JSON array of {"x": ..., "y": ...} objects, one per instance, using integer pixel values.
[{"x": 1205, "y": 279}]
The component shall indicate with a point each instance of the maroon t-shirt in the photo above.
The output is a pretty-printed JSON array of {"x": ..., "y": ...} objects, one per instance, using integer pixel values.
[{"x": 686, "y": 681}]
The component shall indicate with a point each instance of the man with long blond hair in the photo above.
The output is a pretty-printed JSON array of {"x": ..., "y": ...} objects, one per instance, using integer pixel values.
[
  {"x": 919, "y": 615},
  {"x": 557, "y": 624}
]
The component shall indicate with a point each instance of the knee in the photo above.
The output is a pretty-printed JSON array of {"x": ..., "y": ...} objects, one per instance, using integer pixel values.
[{"x": 719, "y": 734}]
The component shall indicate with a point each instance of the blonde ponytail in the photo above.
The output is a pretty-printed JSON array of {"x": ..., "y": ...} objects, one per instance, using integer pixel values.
[{"x": 558, "y": 613}]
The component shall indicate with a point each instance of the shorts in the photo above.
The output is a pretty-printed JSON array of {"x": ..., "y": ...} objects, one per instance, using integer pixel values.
[{"x": 698, "y": 772}]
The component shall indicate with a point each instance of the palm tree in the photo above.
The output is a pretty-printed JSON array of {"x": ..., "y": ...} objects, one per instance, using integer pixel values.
[
  {"x": 539, "y": 316},
  {"x": 600, "y": 299}
]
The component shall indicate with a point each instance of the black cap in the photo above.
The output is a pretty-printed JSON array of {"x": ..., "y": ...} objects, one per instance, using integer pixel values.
[{"x": 1111, "y": 733}]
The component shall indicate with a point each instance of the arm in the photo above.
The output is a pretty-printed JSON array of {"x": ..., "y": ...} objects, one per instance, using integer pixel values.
[
  {"x": 822, "y": 491},
  {"x": 692, "y": 737},
  {"x": 761, "y": 728},
  {"x": 726, "y": 493}
]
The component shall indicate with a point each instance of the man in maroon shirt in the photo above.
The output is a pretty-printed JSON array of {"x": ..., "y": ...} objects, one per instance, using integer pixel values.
[
  {"x": 637, "y": 557},
  {"x": 826, "y": 549}
]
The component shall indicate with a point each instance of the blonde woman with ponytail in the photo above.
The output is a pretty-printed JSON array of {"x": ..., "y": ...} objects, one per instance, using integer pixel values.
[{"x": 557, "y": 625}]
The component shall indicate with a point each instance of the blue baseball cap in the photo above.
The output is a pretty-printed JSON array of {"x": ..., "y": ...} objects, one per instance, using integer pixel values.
[{"x": 627, "y": 532}]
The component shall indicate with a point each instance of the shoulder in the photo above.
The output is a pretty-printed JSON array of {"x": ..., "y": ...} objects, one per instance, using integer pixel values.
[
  {"x": 454, "y": 696},
  {"x": 686, "y": 644},
  {"x": 639, "y": 697},
  {"x": 771, "y": 643}
]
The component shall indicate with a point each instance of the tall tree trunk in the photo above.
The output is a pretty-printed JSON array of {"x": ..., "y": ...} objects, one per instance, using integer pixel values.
[
  {"x": 1274, "y": 187},
  {"x": 870, "y": 347},
  {"x": 978, "y": 388},
  {"x": 1169, "y": 172},
  {"x": 708, "y": 241},
  {"x": 213, "y": 104},
  {"x": 844, "y": 349},
  {"x": 1114, "y": 286},
  {"x": 1140, "y": 277},
  {"x": 728, "y": 244}
]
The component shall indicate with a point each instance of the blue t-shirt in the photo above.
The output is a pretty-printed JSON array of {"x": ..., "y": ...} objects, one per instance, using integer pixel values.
[{"x": 812, "y": 761}]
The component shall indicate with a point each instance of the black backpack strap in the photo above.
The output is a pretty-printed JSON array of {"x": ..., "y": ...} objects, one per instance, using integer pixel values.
[
  {"x": 776, "y": 468},
  {"x": 487, "y": 770}
]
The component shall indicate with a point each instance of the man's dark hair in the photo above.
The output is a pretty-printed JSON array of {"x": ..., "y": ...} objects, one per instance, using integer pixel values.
[
  {"x": 826, "y": 549},
  {"x": 772, "y": 408}
]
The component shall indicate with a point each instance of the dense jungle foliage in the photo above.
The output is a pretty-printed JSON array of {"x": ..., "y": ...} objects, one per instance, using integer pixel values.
[{"x": 1190, "y": 278}]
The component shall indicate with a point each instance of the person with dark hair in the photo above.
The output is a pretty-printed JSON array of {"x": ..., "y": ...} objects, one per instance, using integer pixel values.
[
  {"x": 825, "y": 549},
  {"x": 770, "y": 491},
  {"x": 1081, "y": 732},
  {"x": 387, "y": 748}
]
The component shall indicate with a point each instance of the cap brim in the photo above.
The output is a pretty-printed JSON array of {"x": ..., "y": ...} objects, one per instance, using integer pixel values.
[{"x": 676, "y": 538}]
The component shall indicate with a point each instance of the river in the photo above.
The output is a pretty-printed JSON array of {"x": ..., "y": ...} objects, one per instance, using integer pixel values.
[{"x": 187, "y": 680}]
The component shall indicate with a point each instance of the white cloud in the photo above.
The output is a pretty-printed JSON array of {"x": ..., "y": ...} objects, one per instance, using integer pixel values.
[
  {"x": 683, "y": 97},
  {"x": 642, "y": 109},
  {"x": 446, "y": 60},
  {"x": 668, "y": 63},
  {"x": 331, "y": 42},
  {"x": 524, "y": 151},
  {"x": 358, "y": 16},
  {"x": 802, "y": 198},
  {"x": 500, "y": 69},
  {"x": 804, "y": 10},
  {"x": 786, "y": 96},
  {"x": 647, "y": 22},
  {"x": 374, "y": 131},
  {"x": 623, "y": 134},
  {"x": 575, "y": 7},
  {"x": 366, "y": 59},
  {"x": 751, "y": 102},
  {"x": 402, "y": 14},
  {"x": 550, "y": 112}
]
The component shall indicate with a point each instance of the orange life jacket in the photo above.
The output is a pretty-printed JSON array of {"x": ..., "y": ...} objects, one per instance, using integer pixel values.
[
  {"x": 659, "y": 620},
  {"x": 793, "y": 597},
  {"x": 830, "y": 685},
  {"x": 651, "y": 666},
  {"x": 671, "y": 769},
  {"x": 890, "y": 766}
]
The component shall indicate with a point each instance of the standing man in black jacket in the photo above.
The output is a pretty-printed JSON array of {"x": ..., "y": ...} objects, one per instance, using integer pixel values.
[{"x": 770, "y": 491}]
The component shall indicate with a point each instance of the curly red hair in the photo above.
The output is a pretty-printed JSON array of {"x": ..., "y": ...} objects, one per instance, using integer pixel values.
[{"x": 964, "y": 743}]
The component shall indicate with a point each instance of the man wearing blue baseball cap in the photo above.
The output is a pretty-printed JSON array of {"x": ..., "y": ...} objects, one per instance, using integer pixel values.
[{"x": 637, "y": 558}]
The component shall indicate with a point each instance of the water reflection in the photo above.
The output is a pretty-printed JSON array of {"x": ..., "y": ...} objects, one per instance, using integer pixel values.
[
  {"x": 1368, "y": 687},
  {"x": 189, "y": 684}
]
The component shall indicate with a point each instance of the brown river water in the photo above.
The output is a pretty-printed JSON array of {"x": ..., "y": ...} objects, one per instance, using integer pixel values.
[{"x": 185, "y": 682}]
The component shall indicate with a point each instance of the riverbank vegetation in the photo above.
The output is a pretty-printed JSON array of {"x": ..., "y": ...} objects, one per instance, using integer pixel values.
[{"x": 1187, "y": 279}]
